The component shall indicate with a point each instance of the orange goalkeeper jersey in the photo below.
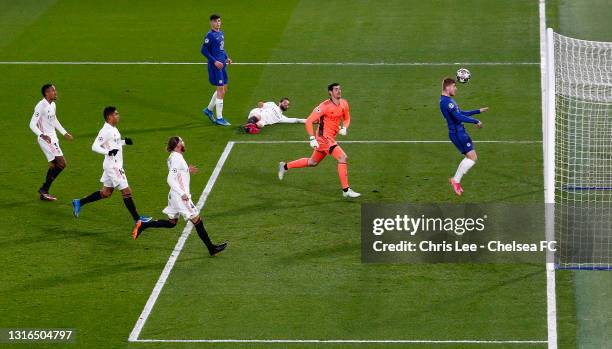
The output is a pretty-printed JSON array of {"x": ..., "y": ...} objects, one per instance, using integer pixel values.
[{"x": 329, "y": 115}]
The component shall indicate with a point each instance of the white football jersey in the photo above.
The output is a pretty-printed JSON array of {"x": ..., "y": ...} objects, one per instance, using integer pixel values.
[
  {"x": 44, "y": 120},
  {"x": 178, "y": 174},
  {"x": 271, "y": 113},
  {"x": 109, "y": 138}
]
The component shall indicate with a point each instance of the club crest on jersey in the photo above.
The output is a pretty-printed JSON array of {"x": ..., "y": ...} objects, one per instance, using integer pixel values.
[
  {"x": 318, "y": 110},
  {"x": 451, "y": 105},
  {"x": 100, "y": 138},
  {"x": 468, "y": 144},
  {"x": 206, "y": 41}
]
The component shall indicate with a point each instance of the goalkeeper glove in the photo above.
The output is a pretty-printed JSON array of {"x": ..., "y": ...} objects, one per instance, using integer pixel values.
[
  {"x": 113, "y": 152},
  {"x": 128, "y": 141},
  {"x": 342, "y": 131},
  {"x": 313, "y": 142}
]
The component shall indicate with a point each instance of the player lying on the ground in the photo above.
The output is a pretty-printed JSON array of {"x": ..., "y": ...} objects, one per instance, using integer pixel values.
[
  {"x": 270, "y": 113},
  {"x": 214, "y": 50},
  {"x": 109, "y": 143},
  {"x": 329, "y": 115},
  {"x": 456, "y": 132},
  {"x": 44, "y": 123},
  {"x": 179, "y": 198}
]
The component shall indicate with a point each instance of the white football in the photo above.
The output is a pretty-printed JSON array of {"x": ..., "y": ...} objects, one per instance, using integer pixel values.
[{"x": 463, "y": 75}]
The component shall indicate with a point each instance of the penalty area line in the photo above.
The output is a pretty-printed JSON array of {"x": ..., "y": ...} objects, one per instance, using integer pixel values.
[
  {"x": 391, "y": 142},
  {"x": 142, "y": 319}
]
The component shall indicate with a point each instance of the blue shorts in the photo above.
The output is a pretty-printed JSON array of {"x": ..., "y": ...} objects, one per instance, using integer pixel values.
[
  {"x": 462, "y": 142},
  {"x": 217, "y": 77}
]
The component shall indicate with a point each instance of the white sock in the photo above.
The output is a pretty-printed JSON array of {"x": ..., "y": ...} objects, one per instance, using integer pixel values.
[
  {"x": 219, "y": 104},
  {"x": 211, "y": 104},
  {"x": 464, "y": 167}
]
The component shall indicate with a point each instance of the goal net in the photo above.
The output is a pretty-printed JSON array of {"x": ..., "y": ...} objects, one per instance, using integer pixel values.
[{"x": 579, "y": 109}]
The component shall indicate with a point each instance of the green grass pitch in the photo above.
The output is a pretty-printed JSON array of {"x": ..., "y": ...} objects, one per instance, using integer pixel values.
[{"x": 292, "y": 270}]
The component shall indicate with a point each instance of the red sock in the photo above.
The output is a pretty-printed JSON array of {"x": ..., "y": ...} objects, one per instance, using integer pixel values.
[
  {"x": 299, "y": 163},
  {"x": 343, "y": 174}
]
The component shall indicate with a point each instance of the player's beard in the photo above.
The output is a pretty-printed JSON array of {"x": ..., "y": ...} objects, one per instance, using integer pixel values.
[
  {"x": 182, "y": 150},
  {"x": 282, "y": 107}
]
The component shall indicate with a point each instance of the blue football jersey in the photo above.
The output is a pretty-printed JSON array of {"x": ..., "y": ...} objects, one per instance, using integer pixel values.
[
  {"x": 454, "y": 116},
  {"x": 214, "y": 47}
]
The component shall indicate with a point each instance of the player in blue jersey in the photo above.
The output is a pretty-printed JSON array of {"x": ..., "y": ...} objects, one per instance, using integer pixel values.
[
  {"x": 214, "y": 50},
  {"x": 455, "y": 118}
]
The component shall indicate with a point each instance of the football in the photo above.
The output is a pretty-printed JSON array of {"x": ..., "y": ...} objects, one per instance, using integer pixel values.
[{"x": 463, "y": 75}]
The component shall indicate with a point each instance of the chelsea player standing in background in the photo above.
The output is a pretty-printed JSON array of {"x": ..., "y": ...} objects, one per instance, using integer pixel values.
[
  {"x": 214, "y": 50},
  {"x": 456, "y": 132}
]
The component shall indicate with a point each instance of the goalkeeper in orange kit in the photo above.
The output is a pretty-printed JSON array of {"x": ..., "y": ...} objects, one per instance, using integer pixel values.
[{"x": 329, "y": 114}]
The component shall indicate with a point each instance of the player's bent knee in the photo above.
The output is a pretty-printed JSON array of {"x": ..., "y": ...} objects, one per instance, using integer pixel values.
[
  {"x": 105, "y": 193},
  {"x": 173, "y": 222},
  {"x": 60, "y": 162}
]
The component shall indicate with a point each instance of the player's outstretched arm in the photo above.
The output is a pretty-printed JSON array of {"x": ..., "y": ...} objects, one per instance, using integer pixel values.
[{"x": 463, "y": 117}]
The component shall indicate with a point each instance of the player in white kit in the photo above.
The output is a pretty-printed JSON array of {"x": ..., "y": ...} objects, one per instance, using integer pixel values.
[
  {"x": 44, "y": 123},
  {"x": 179, "y": 198},
  {"x": 270, "y": 113},
  {"x": 109, "y": 143}
]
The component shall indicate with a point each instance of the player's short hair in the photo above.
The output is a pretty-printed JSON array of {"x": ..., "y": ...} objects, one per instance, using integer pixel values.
[
  {"x": 330, "y": 87},
  {"x": 447, "y": 82},
  {"x": 172, "y": 143},
  {"x": 215, "y": 16},
  {"x": 44, "y": 88},
  {"x": 284, "y": 99},
  {"x": 108, "y": 111}
]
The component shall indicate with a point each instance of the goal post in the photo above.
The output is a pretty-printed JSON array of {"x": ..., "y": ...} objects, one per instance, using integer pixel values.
[{"x": 577, "y": 147}]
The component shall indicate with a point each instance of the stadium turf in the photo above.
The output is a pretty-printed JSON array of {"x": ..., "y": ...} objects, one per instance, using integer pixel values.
[{"x": 292, "y": 270}]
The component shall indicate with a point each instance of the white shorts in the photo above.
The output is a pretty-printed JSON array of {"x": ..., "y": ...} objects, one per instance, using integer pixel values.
[
  {"x": 50, "y": 150},
  {"x": 114, "y": 178},
  {"x": 177, "y": 206},
  {"x": 255, "y": 112}
]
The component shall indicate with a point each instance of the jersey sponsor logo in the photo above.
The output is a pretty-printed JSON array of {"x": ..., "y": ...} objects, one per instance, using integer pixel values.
[{"x": 451, "y": 105}]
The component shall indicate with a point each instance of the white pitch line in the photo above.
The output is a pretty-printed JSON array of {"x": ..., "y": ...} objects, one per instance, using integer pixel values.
[
  {"x": 358, "y": 64},
  {"x": 178, "y": 248},
  {"x": 356, "y": 341},
  {"x": 391, "y": 142}
]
